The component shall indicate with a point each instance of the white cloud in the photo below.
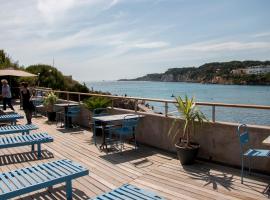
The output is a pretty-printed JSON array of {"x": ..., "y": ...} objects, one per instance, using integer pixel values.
[
  {"x": 263, "y": 34},
  {"x": 226, "y": 46},
  {"x": 111, "y": 4},
  {"x": 114, "y": 2},
  {"x": 152, "y": 45},
  {"x": 50, "y": 9}
]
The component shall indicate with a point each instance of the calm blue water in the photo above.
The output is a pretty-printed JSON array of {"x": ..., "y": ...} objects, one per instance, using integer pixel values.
[{"x": 237, "y": 94}]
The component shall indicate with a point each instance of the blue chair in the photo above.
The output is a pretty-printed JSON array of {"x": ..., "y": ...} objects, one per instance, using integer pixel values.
[
  {"x": 38, "y": 103},
  {"x": 73, "y": 112},
  {"x": 126, "y": 131},
  {"x": 96, "y": 124},
  {"x": 244, "y": 139}
]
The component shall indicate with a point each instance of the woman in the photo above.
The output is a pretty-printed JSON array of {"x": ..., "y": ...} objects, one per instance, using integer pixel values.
[
  {"x": 6, "y": 93},
  {"x": 27, "y": 104}
]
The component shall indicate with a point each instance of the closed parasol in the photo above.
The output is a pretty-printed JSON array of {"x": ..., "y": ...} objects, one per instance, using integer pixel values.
[{"x": 15, "y": 72}]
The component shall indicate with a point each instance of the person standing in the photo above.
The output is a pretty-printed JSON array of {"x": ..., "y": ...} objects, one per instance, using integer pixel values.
[
  {"x": 6, "y": 93},
  {"x": 27, "y": 104}
]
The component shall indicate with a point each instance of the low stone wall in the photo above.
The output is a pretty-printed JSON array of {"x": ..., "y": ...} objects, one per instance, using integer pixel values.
[{"x": 219, "y": 141}]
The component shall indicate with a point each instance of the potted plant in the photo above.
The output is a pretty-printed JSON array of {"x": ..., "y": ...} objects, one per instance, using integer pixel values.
[
  {"x": 49, "y": 100},
  {"x": 96, "y": 106},
  {"x": 186, "y": 149}
]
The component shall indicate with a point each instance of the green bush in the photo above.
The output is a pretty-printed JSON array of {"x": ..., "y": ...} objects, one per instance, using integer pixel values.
[{"x": 97, "y": 102}]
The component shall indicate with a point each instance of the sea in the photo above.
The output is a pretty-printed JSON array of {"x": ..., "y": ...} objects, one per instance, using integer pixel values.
[{"x": 216, "y": 93}]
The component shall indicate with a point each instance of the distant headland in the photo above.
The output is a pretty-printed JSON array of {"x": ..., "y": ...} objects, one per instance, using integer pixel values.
[{"x": 233, "y": 72}]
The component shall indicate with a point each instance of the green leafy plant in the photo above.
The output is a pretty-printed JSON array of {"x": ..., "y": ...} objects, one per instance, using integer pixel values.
[
  {"x": 188, "y": 109},
  {"x": 97, "y": 102},
  {"x": 49, "y": 100}
]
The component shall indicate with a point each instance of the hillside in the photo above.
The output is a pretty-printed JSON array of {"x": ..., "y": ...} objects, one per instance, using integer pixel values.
[{"x": 216, "y": 72}]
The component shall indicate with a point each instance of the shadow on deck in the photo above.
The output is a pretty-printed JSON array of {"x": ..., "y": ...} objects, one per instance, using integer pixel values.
[{"x": 24, "y": 157}]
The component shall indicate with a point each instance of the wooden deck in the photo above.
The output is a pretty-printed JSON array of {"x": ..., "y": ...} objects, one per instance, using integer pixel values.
[{"x": 146, "y": 167}]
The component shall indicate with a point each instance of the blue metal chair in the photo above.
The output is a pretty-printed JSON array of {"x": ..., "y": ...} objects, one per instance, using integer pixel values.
[
  {"x": 244, "y": 139},
  {"x": 95, "y": 124},
  {"x": 38, "y": 103},
  {"x": 73, "y": 111},
  {"x": 126, "y": 131}
]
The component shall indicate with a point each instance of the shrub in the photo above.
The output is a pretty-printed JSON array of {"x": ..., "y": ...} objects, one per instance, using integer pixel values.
[{"x": 97, "y": 102}]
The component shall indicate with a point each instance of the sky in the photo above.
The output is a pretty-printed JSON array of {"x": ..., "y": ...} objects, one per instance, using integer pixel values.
[{"x": 113, "y": 39}]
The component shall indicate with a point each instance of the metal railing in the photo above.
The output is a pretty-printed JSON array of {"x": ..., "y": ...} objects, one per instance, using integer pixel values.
[{"x": 164, "y": 101}]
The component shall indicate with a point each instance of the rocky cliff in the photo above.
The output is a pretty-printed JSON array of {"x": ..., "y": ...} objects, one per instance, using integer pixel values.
[{"x": 215, "y": 73}]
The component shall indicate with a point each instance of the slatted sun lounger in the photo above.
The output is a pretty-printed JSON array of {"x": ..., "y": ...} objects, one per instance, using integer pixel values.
[
  {"x": 10, "y": 118},
  {"x": 17, "y": 129},
  {"x": 24, "y": 140},
  {"x": 128, "y": 192},
  {"x": 26, "y": 180}
]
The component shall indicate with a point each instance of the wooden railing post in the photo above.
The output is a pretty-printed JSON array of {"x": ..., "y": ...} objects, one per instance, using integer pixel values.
[
  {"x": 213, "y": 113},
  {"x": 67, "y": 96},
  {"x": 79, "y": 98},
  {"x": 112, "y": 103},
  {"x": 136, "y": 105},
  {"x": 166, "y": 109}
]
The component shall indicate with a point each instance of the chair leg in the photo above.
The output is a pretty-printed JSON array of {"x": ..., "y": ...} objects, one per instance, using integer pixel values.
[
  {"x": 62, "y": 121},
  {"x": 135, "y": 142},
  {"x": 242, "y": 169},
  {"x": 249, "y": 163},
  {"x": 69, "y": 190},
  {"x": 39, "y": 150},
  {"x": 33, "y": 148},
  {"x": 122, "y": 143},
  {"x": 94, "y": 134}
]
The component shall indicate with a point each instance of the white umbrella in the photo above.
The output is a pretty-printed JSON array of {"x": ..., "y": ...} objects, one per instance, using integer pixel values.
[{"x": 15, "y": 72}]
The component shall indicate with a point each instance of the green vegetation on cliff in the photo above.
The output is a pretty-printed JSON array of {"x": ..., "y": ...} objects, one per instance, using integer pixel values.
[
  {"x": 216, "y": 72},
  {"x": 50, "y": 77}
]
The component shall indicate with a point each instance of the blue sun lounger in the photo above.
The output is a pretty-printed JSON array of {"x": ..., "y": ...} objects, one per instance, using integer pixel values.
[
  {"x": 26, "y": 180},
  {"x": 24, "y": 140},
  {"x": 10, "y": 118},
  {"x": 128, "y": 192},
  {"x": 17, "y": 129}
]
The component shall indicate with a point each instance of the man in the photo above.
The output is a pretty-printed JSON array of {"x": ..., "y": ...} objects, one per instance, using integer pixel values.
[{"x": 6, "y": 94}]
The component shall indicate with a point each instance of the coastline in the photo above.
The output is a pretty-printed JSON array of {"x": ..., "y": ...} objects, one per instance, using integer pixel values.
[{"x": 204, "y": 83}]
